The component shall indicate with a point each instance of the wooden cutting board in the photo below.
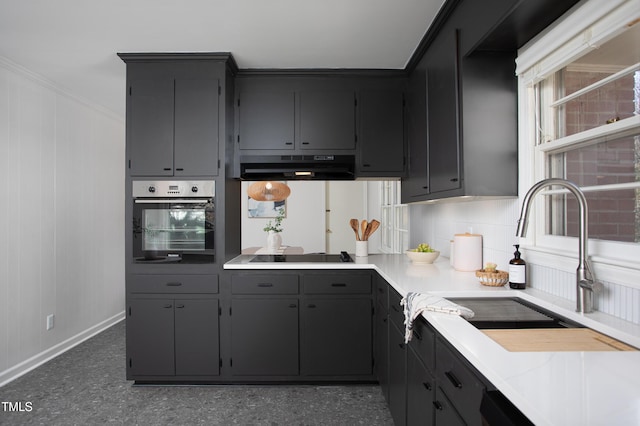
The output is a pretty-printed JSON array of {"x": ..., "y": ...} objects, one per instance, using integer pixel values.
[{"x": 556, "y": 340}]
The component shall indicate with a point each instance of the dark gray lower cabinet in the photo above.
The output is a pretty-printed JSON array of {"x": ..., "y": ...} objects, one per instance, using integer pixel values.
[
  {"x": 172, "y": 337},
  {"x": 382, "y": 348},
  {"x": 264, "y": 337},
  {"x": 420, "y": 391},
  {"x": 397, "y": 375},
  {"x": 445, "y": 412},
  {"x": 336, "y": 337}
]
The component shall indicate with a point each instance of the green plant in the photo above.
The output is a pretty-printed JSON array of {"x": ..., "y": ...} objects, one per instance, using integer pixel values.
[{"x": 277, "y": 226}]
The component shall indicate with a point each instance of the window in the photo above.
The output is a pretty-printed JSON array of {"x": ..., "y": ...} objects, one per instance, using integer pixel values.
[
  {"x": 580, "y": 120},
  {"x": 395, "y": 219}
]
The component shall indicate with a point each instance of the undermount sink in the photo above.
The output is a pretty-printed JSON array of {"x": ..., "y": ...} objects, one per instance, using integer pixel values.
[
  {"x": 519, "y": 326},
  {"x": 511, "y": 313}
]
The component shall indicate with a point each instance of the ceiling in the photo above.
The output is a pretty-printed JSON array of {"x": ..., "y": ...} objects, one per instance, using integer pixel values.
[{"x": 73, "y": 43}]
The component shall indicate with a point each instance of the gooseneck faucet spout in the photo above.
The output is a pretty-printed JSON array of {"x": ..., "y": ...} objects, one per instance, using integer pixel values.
[{"x": 584, "y": 276}]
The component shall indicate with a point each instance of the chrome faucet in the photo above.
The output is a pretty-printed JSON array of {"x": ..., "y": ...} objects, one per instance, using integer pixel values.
[{"x": 584, "y": 276}]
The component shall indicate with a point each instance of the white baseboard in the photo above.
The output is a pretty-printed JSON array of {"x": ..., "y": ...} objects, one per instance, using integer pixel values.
[{"x": 48, "y": 354}]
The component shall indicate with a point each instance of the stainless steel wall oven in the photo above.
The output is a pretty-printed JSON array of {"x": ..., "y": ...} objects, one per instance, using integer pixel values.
[{"x": 173, "y": 221}]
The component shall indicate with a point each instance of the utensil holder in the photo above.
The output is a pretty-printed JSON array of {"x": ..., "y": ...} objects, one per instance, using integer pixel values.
[{"x": 362, "y": 248}]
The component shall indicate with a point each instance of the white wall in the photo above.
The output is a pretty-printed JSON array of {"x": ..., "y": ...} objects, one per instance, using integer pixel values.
[
  {"x": 497, "y": 220},
  {"x": 61, "y": 219}
]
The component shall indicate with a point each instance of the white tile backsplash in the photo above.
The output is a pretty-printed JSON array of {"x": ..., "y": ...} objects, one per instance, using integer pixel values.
[{"x": 496, "y": 220}]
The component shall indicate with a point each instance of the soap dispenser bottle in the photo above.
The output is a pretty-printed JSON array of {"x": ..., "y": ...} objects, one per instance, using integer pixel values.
[{"x": 517, "y": 271}]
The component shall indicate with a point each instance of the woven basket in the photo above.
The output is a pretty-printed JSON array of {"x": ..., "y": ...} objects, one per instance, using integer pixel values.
[{"x": 492, "y": 279}]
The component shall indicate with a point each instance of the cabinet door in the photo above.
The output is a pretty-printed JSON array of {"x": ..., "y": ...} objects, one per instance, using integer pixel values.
[
  {"x": 150, "y": 127},
  {"x": 336, "y": 337},
  {"x": 266, "y": 120},
  {"x": 445, "y": 412},
  {"x": 264, "y": 337},
  {"x": 381, "y": 137},
  {"x": 196, "y": 127},
  {"x": 382, "y": 349},
  {"x": 197, "y": 348},
  {"x": 150, "y": 338},
  {"x": 397, "y": 375},
  {"x": 443, "y": 114},
  {"x": 416, "y": 186},
  {"x": 421, "y": 391},
  {"x": 327, "y": 120}
]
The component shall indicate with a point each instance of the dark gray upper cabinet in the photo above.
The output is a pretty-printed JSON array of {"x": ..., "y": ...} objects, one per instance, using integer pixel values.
[
  {"x": 173, "y": 114},
  {"x": 266, "y": 120},
  {"x": 381, "y": 140},
  {"x": 196, "y": 127},
  {"x": 173, "y": 127},
  {"x": 443, "y": 137},
  {"x": 284, "y": 117},
  {"x": 327, "y": 120},
  {"x": 470, "y": 112},
  {"x": 150, "y": 126}
]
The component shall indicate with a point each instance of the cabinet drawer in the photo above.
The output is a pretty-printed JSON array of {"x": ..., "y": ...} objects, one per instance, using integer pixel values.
[
  {"x": 460, "y": 384},
  {"x": 337, "y": 284},
  {"x": 423, "y": 343},
  {"x": 264, "y": 284},
  {"x": 396, "y": 311},
  {"x": 173, "y": 283}
]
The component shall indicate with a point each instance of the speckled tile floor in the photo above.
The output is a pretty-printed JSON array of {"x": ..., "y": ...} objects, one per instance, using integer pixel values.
[{"x": 87, "y": 386}]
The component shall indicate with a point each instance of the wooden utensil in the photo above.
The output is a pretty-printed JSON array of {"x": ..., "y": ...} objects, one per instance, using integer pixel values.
[
  {"x": 371, "y": 228},
  {"x": 363, "y": 228},
  {"x": 354, "y": 226}
]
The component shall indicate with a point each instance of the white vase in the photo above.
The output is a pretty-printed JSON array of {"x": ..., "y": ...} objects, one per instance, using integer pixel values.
[{"x": 274, "y": 241}]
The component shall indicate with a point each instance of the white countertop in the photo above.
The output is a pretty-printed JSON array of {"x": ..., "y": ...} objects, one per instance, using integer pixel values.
[{"x": 550, "y": 388}]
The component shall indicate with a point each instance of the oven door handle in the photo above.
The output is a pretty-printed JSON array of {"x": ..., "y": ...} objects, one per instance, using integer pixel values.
[{"x": 171, "y": 201}]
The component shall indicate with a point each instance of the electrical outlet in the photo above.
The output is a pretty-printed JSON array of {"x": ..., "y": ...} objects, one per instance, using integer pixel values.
[{"x": 50, "y": 321}]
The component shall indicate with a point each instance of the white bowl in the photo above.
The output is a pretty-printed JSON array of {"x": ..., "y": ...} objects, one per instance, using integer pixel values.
[{"x": 420, "y": 258}]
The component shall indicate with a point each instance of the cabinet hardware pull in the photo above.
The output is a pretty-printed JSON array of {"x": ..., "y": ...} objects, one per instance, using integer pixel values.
[
  {"x": 293, "y": 305},
  {"x": 338, "y": 285},
  {"x": 427, "y": 385},
  {"x": 174, "y": 284},
  {"x": 180, "y": 306},
  {"x": 438, "y": 405},
  {"x": 453, "y": 379},
  {"x": 454, "y": 180},
  {"x": 425, "y": 187},
  {"x": 311, "y": 305},
  {"x": 265, "y": 285},
  {"x": 168, "y": 305},
  {"x": 366, "y": 165},
  {"x": 288, "y": 143},
  {"x": 166, "y": 169},
  {"x": 305, "y": 143},
  {"x": 179, "y": 169}
]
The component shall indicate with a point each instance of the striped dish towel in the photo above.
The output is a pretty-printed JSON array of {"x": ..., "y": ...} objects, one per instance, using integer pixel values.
[{"x": 415, "y": 303}]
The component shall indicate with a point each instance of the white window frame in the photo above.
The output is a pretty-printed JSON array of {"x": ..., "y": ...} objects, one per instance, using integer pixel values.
[
  {"x": 391, "y": 225},
  {"x": 588, "y": 25}
]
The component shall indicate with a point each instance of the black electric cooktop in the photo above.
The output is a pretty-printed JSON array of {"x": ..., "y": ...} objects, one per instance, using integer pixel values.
[{"x": 322, "y": 258}]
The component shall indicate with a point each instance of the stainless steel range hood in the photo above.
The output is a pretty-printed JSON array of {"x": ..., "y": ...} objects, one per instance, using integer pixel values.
[{"x": 297, "y": 167}]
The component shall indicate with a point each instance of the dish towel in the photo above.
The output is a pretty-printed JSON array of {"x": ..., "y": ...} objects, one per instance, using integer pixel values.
[{"x": 415, "y": 303}]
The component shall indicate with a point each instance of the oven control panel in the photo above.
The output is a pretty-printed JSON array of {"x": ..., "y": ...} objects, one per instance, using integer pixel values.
[{"x": 177, "y": 189}]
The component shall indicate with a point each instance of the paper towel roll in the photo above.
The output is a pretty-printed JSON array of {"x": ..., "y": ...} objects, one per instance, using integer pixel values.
[{"x": 467, "y": 252}]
